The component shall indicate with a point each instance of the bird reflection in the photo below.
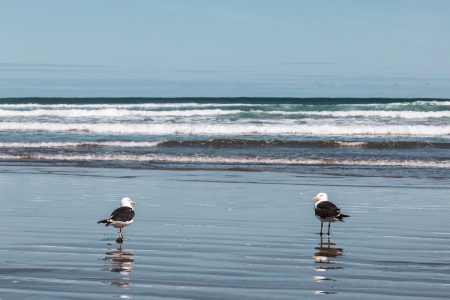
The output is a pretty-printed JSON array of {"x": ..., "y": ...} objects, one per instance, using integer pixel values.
[
  {"x": 324, "y": 260},
  {"x": 325, "y": 251},
  {"x": 121, "y": 263}
]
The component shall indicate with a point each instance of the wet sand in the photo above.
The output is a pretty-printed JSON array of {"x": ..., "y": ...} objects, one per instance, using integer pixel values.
[{"x": 220, "y": 235}]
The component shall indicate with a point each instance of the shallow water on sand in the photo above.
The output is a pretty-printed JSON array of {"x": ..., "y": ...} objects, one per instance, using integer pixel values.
[{"x": 220, "y": 235}]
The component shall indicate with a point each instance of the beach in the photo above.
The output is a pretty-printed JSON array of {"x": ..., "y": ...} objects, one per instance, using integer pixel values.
[
  {"x": 209, "y": 234},
  {"x": 217, "y": 131}
]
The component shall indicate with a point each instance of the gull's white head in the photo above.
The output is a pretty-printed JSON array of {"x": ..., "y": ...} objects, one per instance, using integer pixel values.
[
  {"x": 127, "y": 202},
  {"x": 321, "y": 197}
]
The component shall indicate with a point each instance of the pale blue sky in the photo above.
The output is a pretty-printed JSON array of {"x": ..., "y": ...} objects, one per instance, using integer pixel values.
[{"x": 225, "y": 48}]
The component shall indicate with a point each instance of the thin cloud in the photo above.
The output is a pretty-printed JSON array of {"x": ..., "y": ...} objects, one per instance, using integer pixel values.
[
  {"x": 306, "y": 63},
  {"x": 198, "y": 71},
  {"x": 19, "y": 67}
]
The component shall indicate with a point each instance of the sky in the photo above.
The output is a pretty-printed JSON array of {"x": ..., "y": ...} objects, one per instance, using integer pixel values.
[{"x": 225, "y": 48}]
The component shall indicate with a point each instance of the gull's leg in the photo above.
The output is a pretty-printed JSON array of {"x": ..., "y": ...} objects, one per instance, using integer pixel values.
[{"x": 120, "y": 238}]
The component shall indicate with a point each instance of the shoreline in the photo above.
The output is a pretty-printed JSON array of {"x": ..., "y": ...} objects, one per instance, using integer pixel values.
[
  {"x": 282, "y": 170},
  {"x": 207, "y": 234}
]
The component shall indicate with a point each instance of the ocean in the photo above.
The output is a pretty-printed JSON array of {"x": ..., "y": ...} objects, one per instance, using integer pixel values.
[{"x": 368, "y": 137}]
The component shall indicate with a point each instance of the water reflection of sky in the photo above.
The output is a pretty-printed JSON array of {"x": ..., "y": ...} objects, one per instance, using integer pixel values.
[
  {"x": 324, "y": 261},
  {"x": 122, "y": 263}
]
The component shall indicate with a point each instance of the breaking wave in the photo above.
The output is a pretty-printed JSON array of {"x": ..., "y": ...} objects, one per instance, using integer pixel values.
[
  {"x": 228, "y": 160},
  {"x": 233, "y": 129},
  {"x": 232, "y": 143}
]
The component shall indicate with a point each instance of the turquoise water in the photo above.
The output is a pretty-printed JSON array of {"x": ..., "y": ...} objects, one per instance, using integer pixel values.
[{"x": 369, "y": 137}]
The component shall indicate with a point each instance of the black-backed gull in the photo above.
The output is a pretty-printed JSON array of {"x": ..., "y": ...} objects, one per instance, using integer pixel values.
[
  {"x": 327, "y": 211},
  {"x": 121, "y": 217}
]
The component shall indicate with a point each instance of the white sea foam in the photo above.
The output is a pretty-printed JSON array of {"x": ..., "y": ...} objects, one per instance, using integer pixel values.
[
  {"x": 365, "y": 114},
  {"x": 421, "y": 103},
  {"x": 124, "y": 106},
  {"x": 113, "y": 113},
  {"x": 352, "y": 144},
  {"x": 194, "y": 104},
  {"x": 157, "y": 158},
  {"x": 400, "y": 104},
  {"x": 234, "y": 129},
  {"x": 79, "y": 144},
  {"x": 124, "y": 111}
]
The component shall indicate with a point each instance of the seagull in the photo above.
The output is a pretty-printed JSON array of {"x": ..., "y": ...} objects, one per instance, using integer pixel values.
[
  {"x": 121, "y": 217},
  {"x": 327, "y": 211}
]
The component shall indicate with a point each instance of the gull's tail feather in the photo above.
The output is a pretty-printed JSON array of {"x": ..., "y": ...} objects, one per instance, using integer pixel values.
[
  {"x": 104, "y": 221},
  {"x": 341, "y": 217}
]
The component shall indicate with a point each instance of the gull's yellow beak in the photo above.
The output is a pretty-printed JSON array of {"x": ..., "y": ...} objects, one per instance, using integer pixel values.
[{"x": 132, "y": 202}]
